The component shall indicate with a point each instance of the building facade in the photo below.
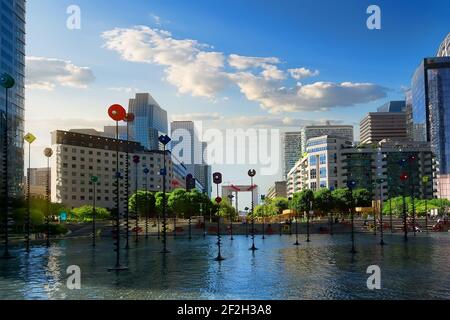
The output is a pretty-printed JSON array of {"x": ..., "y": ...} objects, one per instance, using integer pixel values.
[
  {"x": 38, "y": 182},
  {"x": 341, "y": 131},
  {"x": 292, "y": 150},
  {"x": 12, "y": 62},
  {"x": 77, "y": 157},
  {"x": 376, "y": 126},
  {"x": 278, "y": 189},
  {"x": 429, "y": 113},
  {"x": 150, "y": 121}
]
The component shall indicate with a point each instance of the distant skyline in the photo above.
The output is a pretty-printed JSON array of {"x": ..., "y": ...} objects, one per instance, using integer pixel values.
[{"x": 232, "y": 64}]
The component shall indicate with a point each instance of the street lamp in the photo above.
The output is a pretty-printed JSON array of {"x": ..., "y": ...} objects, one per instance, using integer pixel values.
[
  {"x": 147, "y": 206},
  {"x": 351, "y": 184},
  {"x": 30, "y": 138},
  {"x": 117, "y": 113},
  {"x": 230, "y": 197},
  {"x": 246, "y": 221},
  {"x": 380, "y": 182},
  {"x": 136, "y": 160},
  {"x": 129, "y": 118},
  {"x": 7, "y": 82},
  {"x": 48, "y": 152},
  {"x": 164, "y": 139},
  {"x": 425, "y": 181},
  {"x": 94, "y": 180},
  {"x": 252, "y": 174},
  {"x": 217, "y": 179}
]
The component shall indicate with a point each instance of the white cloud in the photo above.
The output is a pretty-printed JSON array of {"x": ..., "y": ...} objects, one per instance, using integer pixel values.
[
  {"x": 124, "y": 89},
  {"x": 45, "y": 73},
  {"x": 197, "y": 117},
  {"x": 156, "y": 19},
  {"x": 194, "y": 69},
  {"x": 301, "y": 73}
]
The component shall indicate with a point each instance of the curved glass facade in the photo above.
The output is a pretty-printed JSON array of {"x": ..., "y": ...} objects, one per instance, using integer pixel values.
[{"x": 12, "y": 61}]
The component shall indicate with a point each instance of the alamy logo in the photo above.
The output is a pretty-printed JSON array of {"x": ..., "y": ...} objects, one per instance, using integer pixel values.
[
  {"x": 74, "y": 279},
  {"x": 374, "y": 20},
  {"x": 74, "y": 20},
  {"x": 374, "y": 281}
]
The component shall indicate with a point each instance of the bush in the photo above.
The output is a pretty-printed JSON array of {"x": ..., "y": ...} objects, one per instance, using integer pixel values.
[{"x": 55, "y": 229}]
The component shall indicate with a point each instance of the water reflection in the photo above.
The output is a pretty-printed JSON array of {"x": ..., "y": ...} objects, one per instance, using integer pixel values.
[{"x": 321, "y": 269}]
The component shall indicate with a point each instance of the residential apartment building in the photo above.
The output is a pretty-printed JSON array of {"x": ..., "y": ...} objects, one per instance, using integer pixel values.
[{"x": 341, "y": 131}]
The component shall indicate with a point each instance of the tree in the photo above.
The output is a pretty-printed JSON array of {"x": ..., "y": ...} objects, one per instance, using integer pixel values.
[
  {"x": 362, "y": 198},
  {"x": 85, "y": 213},
  {"x": 179, "y": 202},
  {"x": 324, "y": 201},
  {"x": 301, "y": 201},
  {"x": 278, "y": 205},
  {"x": 145, "y": 201},
  {"x": 226, "y": 210},
  {"x": 341, "y": 199}
]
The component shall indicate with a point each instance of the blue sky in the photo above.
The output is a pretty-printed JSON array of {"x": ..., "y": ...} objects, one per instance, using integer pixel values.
[{"x": 329, "y": 39}]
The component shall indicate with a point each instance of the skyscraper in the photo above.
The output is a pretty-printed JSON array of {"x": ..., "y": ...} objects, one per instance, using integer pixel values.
[
  {"x": 388, "y": 123},
  {"x": 341, "y": 131},
  {"x": 292, "y": 150},
  {"x": 12, "y": 61},
  {"x": 429, "y": 111},
  {"x": 150, "y": 121}
]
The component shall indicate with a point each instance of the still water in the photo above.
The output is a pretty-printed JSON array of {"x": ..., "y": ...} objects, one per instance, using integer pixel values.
[{"x": 321, "y": 269}]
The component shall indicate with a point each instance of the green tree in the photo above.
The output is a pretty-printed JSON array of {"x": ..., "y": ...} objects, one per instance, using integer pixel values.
[
  {"x": 145, "y": 201},
  {"x": 85, "y": 213},
  {"x": 342, "y": 199},
  {"x": 324, "y": 201},
  {"x": 301, "y": 201},
  {"x": 179, "y": 202},
  {"x": 362, "y": 198},
  {"x": 278, "y": 205}
]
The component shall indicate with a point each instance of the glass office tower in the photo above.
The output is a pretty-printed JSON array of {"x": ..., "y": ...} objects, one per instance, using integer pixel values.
[
  {"x": 429, "y": 113},
  {"x": 150, "y": 121},
  {"x": 12, "y": 61}
]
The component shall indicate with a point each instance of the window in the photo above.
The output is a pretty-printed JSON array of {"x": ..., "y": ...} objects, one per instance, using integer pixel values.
[
  {"x": 313, "y": 174},
  {"x": 323, "y": 159},
  {"x": 323, "y": 172},
  {"x": 312, "y": 160}
]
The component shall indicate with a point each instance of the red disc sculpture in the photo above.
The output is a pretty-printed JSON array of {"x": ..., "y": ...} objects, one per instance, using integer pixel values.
[
  {"x": 117, "y": 112},
  {"x": 129, "y": 117}
]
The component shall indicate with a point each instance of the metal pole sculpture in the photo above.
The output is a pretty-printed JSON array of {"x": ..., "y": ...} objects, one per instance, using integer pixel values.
[
  {"x": 30, "y": 138},
  {"x": 129, "y": 118},
  {"x": 94, "y": 181},
  {"x": 307, "y": 221},
  {"x": 7, "y": 82},
  {"x": 351, "y": 184},
  {"x": 246, "y": 221},
  {"x": 252, "y": 174},
  {"x": 147, "y": 205},
  {"x": 404, "y": 178},
  {"x": 425, "y": 181},
  {"x": 117, "y": 113},
  {"x": 296, "y": 228},
  {"x": 136, "y": 160},
  {"x": 48, "y": 152},
  {"x": 164, "y": 140},
  {"x": 263, "y": 198},
  {"x": 380, "y": 182},
  {"x": 412, "y": 159},
  {"x": 230, "y": 197},
  {"x": 217, "y": 179}
]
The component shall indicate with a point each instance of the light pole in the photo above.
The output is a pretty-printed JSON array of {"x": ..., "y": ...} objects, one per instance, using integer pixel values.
[
  {"x": 351, "y": 184},
  {"x": 217, "y": 179},
  {"x": 246, "y": 221},
  {"x": 252, "y": 174},
  {"x": 94, "y": 180},
  {"x": 425, "y": 181},
  {"x": 129, "y": 118},
  {"x": 136, "y": 160},
  {"x": 117, "y": 113},
  {"x": 147, "y": 206},
  {"x": 381, "y": 181},
  {"x": 7, "y": 82},
  {"x": 230, "y": 197},
  {"x": 48, "y": 152},
  {"x": 30, "y": 138},
  {"x": 164, "y": 139}
]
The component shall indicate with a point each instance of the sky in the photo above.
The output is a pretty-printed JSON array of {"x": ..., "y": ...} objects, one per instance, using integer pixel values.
[{"x": 274, "y": 65}]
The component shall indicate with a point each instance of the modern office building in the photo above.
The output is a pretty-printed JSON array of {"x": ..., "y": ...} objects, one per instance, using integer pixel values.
[
  {"x": 428, "y": 111},
  {"x": 278, "y": 189},
  {"x": 292, "y": 150},
  {"x": 77, "y": 157},
  {"x": 150, "y": 121},
  {"x": 38, "y": 182},
  {"x": 444, "y": 48},
  {"x": 12, "y": 62},
  {"x": 388, "y": 123},
  {"x": 393, "y": 158},
  {"x": 341, "y": 131}
]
